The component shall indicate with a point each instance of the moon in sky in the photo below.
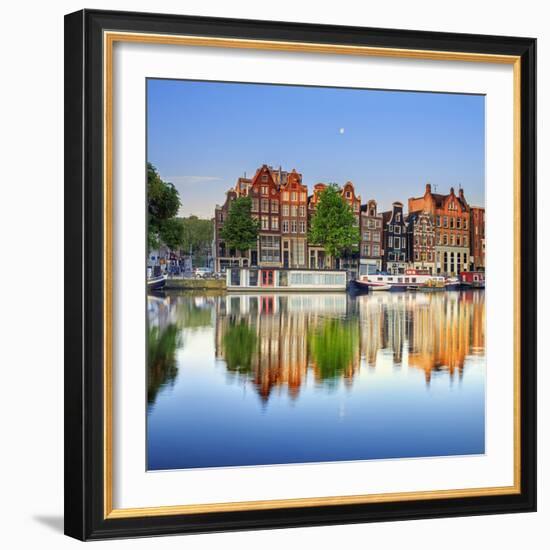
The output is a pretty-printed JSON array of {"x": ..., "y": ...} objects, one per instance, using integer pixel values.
[{"x": 342, "y": 130}]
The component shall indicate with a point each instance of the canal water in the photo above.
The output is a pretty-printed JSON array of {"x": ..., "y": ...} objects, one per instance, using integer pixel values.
[{"x": 251, "y": 379}]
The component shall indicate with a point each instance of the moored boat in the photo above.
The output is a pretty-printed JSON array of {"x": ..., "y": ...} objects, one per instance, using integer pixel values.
[
  {"x": 156, "y": 283},
  {"x": 412, "y": 279},
  {"x": 452, "y": 283},
  {"x": 365, "y": 284},
  {"x": 472, "y": 279}
]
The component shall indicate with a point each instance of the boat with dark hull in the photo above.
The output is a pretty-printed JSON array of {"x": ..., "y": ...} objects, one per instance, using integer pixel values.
[{"x": 156, "y": 283}]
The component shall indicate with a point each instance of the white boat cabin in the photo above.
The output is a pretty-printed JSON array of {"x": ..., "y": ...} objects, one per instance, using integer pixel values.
[{"x": 245, "y": 278}]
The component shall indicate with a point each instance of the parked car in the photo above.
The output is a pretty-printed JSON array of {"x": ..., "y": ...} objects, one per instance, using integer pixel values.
[{"x": 203, "y": 272}]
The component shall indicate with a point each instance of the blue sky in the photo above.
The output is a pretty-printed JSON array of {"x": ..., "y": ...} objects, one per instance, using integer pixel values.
[{"x": 203, "y": 135}]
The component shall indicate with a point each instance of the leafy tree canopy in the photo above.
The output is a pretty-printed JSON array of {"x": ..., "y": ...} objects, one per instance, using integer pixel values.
[
  {"x": 197, "y": 234},
  {"x": 240, "y": 230},
  {"x": 333, "y": 224},
  {"x": 163, "y": 203}
]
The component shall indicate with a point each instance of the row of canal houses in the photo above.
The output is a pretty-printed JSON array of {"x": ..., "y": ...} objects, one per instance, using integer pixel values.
[{"x": 441, "y": 233}]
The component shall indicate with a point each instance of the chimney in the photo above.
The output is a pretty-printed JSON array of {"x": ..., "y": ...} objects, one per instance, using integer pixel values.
[
  {"x": 461, "y": 193},
  {"x": 452, "y": 190},
  {"x": 428, "y": 188}
]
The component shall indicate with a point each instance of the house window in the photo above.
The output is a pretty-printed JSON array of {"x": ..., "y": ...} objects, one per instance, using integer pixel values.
[
  {"x": 445, "y": 221},
  {"x": 302, "y": 227},
  {"x": 397, "y": 242},
  {"x": 416, "y": 257},
  {"x": 452, "y": 223},
  {"x": 348, "y": 194},
  {"x": 293, "y": 196},
  {"x": 299, "y": 251},
  {"x": 304, "y": 197},
  {"x": 265, "y": 205},
  {"x": 444, "y": 239},
  {"x": 366, "y": 236},
  {"x": 270, "y": 248},
  {"x": 254, "y": 205},
  {"x": 376, "y": 236},
  {"x": 366, "y": 250},
  {"x": 438, "y": 221},
  {"x": 293, "y": 226},
  {"x": 285, "y": 226},
  {"x": 265, "y": 222},
  {"x": 390, "y": 242},
  {"x": 264, "y": 177},
  {"x": 458, "y": 220},
  {"x": 452, "y": 240},
  {"x": 275, "y": 223},
  {"x": 398, "y": 217},
  {"x": 285, "y": 209},
  {"x": 376, "y": 250},
  {"x": 275, "y": 206},
  {"x": 302, "y": 211},
  {"x": 293, "y": 211},
  {"x": 265, "y": 190},
  {"x": 465, "y": 224},
  {"x": 457, "y": 240},
  {"x": 397, "y": 229},
  {"x": 285, "y": 195}
]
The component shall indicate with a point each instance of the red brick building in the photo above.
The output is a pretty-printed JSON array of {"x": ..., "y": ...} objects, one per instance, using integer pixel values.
[
  {"x": 477, "y": 238},
  {"x": 451, "y": 214},
  {"x": 294, "y": 221},
  {"x": 265, "y": 194},
  {"x": 370, "y": 250}
]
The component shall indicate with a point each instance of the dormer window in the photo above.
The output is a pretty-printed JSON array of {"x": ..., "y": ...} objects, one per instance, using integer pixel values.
[
  {"x": 398, "y": 217},
  {"x": 264, "y": 177}
]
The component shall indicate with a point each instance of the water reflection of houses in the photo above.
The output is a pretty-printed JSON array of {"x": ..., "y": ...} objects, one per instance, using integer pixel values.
[
  {"x": 326, "y": 337},
  {"x": 281, "y": 325},
  {"x": 443, "y": 334}
]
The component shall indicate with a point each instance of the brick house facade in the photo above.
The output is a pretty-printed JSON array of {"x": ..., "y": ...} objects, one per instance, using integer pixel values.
[
  {"x": 394, "y": 226},
  {"x": 477, "y": 238},
  {"x": 451, "y": 214},
  {"x": 370, "y": 248},
  {"x": 421, "y": 241}
]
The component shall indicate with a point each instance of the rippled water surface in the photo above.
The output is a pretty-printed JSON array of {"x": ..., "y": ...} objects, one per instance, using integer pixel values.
[{"x": 249, "y": 379}]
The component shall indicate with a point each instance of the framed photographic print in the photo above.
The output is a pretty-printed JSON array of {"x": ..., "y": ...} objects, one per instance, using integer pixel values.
[{"x": 300, "y": 274}]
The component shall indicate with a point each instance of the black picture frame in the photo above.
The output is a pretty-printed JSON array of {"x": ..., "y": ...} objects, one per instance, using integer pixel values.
[{"x": 84, "y": 282}]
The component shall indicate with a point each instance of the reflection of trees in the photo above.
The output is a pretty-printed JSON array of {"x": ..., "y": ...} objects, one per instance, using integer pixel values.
[
  {"x": 331, "y": 334},
  {"x": 161, "y": 359},
  {"x": 239, "y": 344},
  {"x": 334, "y": 349}
]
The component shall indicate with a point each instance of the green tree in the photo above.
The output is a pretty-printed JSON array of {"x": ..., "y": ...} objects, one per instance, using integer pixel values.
[
  {"x": 333, "y": 224},
  {"x": 163, "y": 203},
  {"x": 171, "y": 233},
  {"x": 240, "y": 230},
  {"x": 197, "y": 236}
]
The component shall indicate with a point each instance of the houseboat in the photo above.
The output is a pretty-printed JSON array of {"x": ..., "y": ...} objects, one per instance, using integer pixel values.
[
  {"x": 287, "y": 280},
  {"x": 472, "y": 279},
  {"x": 412, "y": 279}
]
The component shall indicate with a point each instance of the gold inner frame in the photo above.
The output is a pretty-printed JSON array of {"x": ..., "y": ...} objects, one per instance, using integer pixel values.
[{"x": 109, "y": 39}]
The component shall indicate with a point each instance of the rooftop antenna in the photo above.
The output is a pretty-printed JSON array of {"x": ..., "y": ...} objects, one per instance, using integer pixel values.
[{"x": 435, "y": 187}]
